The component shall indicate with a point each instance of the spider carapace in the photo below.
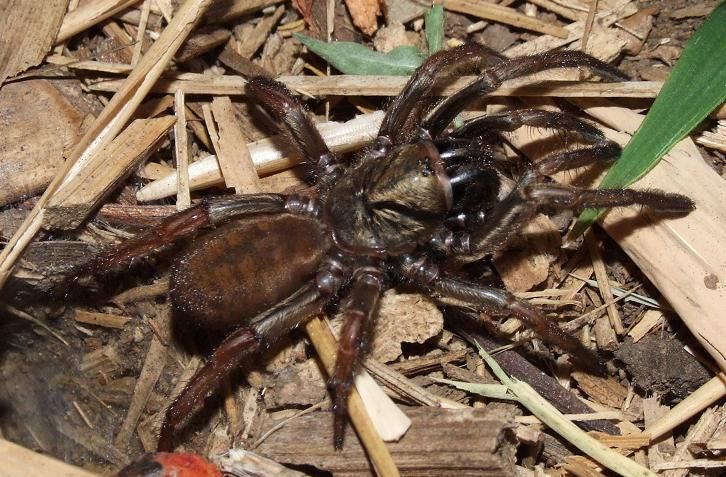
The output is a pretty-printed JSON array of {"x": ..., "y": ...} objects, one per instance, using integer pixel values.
[{"x": 419, "y": 196}]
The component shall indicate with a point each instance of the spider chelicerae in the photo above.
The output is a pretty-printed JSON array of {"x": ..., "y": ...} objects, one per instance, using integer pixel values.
[{"x": 422, "y": 194}]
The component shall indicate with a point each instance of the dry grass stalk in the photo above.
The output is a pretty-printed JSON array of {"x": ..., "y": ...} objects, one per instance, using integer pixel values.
[
  {"x": 326, "y": 348},
  {"x": 181, "y": 153},
  {"x": 604, "y": 283},
  {"x": 506, "y": 15},
  {"x": 351, "y": 85},
  {"x": 649, "y": 320},
  {"x": 150, "y": 374},
  {"x": 27, "y": 33},
  {"x": 268, "y": 157},
  {"x": 109, "y": 123}
]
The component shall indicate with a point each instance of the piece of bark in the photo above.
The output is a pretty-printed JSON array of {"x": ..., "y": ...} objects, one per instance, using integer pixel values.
[
  {"x": 202, "y": 42},
  {"x": 28, "y": 31},
  {"x": 245, "y": 67},
  {"x": 440, "y": 442},
  {"x": 224, "y": 11},
  {"x": 526, "y": 260},
  {"x": 232, "y": 151},
  {"x": 17, "y": 460},
  {"x": 38, "y": 124},
  {"x": 251, "y": 41},
  {"x": 603, "y": 390},
  {"x": 75, "y": 200},
  {"x": 106, "y": 320}
]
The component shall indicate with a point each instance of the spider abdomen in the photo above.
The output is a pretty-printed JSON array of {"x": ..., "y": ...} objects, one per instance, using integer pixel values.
[{"x": 244, "y": 267}]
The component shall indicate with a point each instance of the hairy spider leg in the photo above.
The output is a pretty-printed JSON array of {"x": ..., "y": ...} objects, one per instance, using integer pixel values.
[
  {"x": 358, "y": 310},
  {"x": 277, "y": 100},
  {"x": 425, "y": 274},
  {"x": 208, "y": 213},
  {"x": 601, "y": 150},
  {"x": 529, "y": 196},
  {"x": 492, "y": 78},
  {"x": 265, "y": 329},
  {"x": 402, "y": 119}
]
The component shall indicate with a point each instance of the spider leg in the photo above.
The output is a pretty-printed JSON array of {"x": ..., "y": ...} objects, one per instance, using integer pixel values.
[
  {"x": 492, "y": 78},
  {"x": 208, "y": 213},
  {"x": 601, "y": 150},
  {"x": 359, "y": 307},
  {"x": 396, "y": 127},
  {"x": 529, "y": 196},
  {"x": 426, "y": 274},
  {"x": 276, "y": 99},
  {"x": 266, "y": 328},
  {"x": 262, "y": 331}
]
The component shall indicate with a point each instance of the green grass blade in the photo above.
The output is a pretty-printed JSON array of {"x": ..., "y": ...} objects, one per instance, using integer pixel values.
[
  {"x": 354, "y": 59},
  {"x": 696, "y": 86},
  {"x": 434, "y": 21}
]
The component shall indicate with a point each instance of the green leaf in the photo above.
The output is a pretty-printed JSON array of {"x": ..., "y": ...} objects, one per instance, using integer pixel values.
[
  {"x": 434, "y": 21},
  {"x": 696, "y": 86},
  {"x": 354, "y": 59}
]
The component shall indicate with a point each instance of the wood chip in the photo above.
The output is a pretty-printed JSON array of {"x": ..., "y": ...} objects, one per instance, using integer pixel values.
[
  {"x": 78, "y": 197},
  {"x": 233, "y": 155},
  {"x": 89, "y": 14},
  {"x": 364, "y": 14},
  {"x": 17, "y": 460},
  {"x": 440, "y": 443},
  {"x": 603, "y": 390},
  {"x": 105, "y": 320},
  {"x": 27, "y": 33},
  {"x": 649, "y": 320},
  {"x": 38, "y": 125}
]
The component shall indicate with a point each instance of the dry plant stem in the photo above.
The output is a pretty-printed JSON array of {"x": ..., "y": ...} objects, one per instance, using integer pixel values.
[
  {"x": 604, "y": 283},
  {"x": 326, "y": 348},
  {"x": 143, "y": 21},
  {"x": 17, "y": 460},
  {"x": 696, "y": 402},
  {"x": 181, "y": 150},
  {"x": 109, "y": 123},
  {"x": 351, "y": 85},
  {"x": 89, "y": 14},
  {"x": 588, "y": 24},
  {"x": 506, "y": 15}
]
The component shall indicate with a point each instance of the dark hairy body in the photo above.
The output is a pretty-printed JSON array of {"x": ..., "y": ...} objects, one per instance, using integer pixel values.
[{"x": 421, "y": 195}]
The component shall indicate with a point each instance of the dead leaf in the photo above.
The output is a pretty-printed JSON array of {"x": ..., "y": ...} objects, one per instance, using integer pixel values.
[{"x": 365, "y": 14}]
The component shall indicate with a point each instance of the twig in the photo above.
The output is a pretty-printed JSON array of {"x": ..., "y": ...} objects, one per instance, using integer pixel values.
[{"x": 326, "y": 347}]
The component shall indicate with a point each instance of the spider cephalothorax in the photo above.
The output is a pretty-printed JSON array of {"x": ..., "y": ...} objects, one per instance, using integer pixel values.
[{"x": 422, "y": 194}]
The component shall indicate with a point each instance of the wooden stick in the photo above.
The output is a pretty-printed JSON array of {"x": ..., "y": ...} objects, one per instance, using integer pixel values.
[
  {"x": 108, "y": 124},
  {"x": 506, "y": 15},
  {"x": 696, "y": 402},
  {"x": 352, "y": 85},
  {"x": 89, "y": 14},
  {"x": 326, "y": 347},
  {"x": 181, "y": 152},
  {"x": 17, "y": 460}
]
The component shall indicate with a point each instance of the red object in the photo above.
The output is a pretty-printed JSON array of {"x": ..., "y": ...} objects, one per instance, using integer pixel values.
[{"x": 165, "y": 464}]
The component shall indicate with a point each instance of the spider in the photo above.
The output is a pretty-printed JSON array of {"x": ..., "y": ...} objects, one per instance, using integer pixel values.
[{"x": 421, "y": 195}]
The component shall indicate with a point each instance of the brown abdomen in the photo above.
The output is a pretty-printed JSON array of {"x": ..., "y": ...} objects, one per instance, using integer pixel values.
[{"x": 242, "y": 268}]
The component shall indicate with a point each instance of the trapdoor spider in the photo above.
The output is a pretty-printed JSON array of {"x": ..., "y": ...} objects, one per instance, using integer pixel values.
[{"x": 418, "y": 196}]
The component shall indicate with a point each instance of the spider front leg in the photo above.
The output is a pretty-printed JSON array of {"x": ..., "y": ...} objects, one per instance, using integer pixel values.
[
  {"x": 492, "y": 78},
  {"x": 276, "y": 99},
  {"x": 357, "y": 310},
  {"x": 600, "y": 150},
  {"x": 403, "y": 118},
  {"x": 510, "y": 215},
  {"x": 426, "y": 275}
]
